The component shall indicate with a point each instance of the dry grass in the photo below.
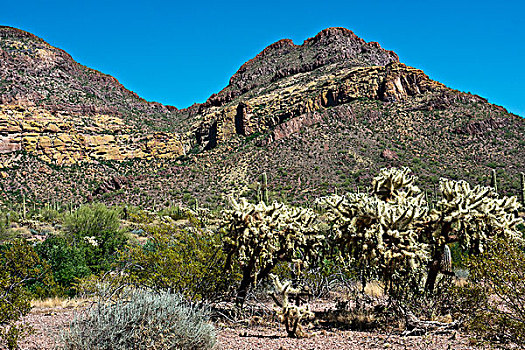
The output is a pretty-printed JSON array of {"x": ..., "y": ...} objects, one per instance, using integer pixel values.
[
  {"x": 460, "y": 282},
  {"x": 374, "y": 289},
  {"x": 59, "y": 303}
]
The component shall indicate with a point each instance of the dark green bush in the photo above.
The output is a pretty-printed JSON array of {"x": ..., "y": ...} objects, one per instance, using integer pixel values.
[
  {"x": 188, "y": 261},
  {"x": 89, "y": 220},
  {"x": 94, "y": 229},
  {"x": 142, "y": 320},
  {"x": 20, "y": 272},
  {"x": 67, "y": 262},
  {"x": 493, "y": 300}
]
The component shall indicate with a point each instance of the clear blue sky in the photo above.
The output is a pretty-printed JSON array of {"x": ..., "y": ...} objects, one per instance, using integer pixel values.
[{"x": 179, "y": 53}]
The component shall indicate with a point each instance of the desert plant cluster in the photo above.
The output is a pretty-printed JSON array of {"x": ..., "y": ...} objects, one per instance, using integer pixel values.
[{"x": 161, "y": 279}]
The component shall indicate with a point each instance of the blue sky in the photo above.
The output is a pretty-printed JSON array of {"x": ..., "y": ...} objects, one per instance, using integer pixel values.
[{"x": 179, "y": 53}]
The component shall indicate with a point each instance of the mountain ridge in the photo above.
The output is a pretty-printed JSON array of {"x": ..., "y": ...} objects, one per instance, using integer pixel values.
[{"x": 318, "y": 116}]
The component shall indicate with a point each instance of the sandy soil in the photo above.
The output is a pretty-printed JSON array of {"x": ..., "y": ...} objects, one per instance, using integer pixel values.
[{"x": 48, "y": 324}]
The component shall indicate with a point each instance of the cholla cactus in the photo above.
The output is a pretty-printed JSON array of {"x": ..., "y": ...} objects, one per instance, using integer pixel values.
[
  {"x": 381, "y": 232},
  {"x": 471, "y": 216},
  {"x": 290, "y": 314},
  {"x": 393, "y": 182},
  {"x": 261, "y": 235},
  {"x": 392, "y": 233}
]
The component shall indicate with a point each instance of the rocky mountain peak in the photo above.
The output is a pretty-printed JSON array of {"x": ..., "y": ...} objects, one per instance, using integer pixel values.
[
  {"x": 283, "y": 58},
  {"x": 344, "y": 43},
  {"x": 331, "y": 34}
]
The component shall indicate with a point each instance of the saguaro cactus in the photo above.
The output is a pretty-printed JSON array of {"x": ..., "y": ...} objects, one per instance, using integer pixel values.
[
  {"x": 494, "y": 180},
  {"x": 522, "y": 176},
  {"x": 265, "y": 188},
  {"x": 24, "y": 209},
  {"x": 446, "y": 260}
]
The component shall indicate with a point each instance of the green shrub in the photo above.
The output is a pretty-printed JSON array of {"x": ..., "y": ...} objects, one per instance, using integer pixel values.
[
  {"x": 47, "y": 215},
  {"x": 188, "y": 261},
  {"x": 89, "y": 220},
  {"x": 67, "y": 262},
  {"x": 143, "y": 320},
  {"x": 493, "y": 300},
  {"x": 20, "y": 271},
  {"x": 94, "y": 229}
]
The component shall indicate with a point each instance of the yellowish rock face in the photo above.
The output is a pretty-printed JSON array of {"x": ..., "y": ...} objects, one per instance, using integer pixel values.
[
  {"x": 309, "y": 92},
  {"x": 66, "y": 139}
]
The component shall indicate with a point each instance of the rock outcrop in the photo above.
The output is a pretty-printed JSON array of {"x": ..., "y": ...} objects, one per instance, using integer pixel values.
[
  {"x": 304, "y": 93},
  {"x": 65, "y": 139}
]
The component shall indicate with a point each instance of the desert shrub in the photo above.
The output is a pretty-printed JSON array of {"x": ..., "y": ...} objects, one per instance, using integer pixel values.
[
  {"x": 493, "y": 299},
  {"x": 94, "y": 229},
  {"x": 321, "y": 277},
  {"x": 20, "y": 271},
  {"x": 67, "y": 262},
  {"x": 7, "y": 217},
  {"x": 187, "y": 260},
  {"x": 47, "y": 214},
  {"x": 142, "y": 320},
  {"x": 89, "y": 220}
]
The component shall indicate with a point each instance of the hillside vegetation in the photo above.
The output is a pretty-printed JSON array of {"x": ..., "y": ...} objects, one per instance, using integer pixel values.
[{"x": 413, "y": 250}]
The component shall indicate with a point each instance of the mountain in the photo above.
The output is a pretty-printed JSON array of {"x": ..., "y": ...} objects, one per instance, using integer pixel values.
[
  {"x": 63, "y": 112},
  {"x": 316, "y": 117}
]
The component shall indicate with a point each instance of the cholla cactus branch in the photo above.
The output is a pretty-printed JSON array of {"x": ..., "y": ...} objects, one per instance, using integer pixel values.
[
  {"x": 289, "y": 314},
  {"x": 389, "y": 182}
]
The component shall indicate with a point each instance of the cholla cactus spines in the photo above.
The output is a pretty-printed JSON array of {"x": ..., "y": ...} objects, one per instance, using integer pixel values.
[
  {"x": 290, "y": 314},
  {"x": 261, "y": 235},
  {"x": 389, "y": 182},
  {"x": 393, "y": 241}
]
